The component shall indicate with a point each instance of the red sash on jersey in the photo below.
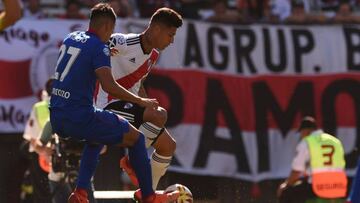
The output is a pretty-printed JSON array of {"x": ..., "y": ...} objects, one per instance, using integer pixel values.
[{"x": 130, "y": 80}]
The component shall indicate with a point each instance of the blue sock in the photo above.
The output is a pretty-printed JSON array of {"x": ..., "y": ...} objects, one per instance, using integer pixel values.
[
  {"x": 89, "y": 160},
  {"x": 140, "y": 162}
]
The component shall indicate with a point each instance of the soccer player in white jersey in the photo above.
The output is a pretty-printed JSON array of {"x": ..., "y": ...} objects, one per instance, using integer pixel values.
[{"x": 133, "y": 56}]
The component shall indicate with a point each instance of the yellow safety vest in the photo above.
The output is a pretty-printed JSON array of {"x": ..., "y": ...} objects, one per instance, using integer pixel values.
[
  {"x": 42, "y": 115},
  {"x": 42, "y": 112},
  {"x": 327, "y": 165}
]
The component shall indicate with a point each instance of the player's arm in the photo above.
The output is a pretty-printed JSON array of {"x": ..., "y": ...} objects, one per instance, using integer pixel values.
[
  {"x": 110, "y": 86},
  {"x": 12, "y": 13}
]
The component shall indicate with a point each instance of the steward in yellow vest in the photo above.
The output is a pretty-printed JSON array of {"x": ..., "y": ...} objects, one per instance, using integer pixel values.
[
  {"x": 319, "y": 156},
  {"x": 41, "y": 110},
  {"x": 39, "y": 159},
  {"x": 327, "y": 165}
]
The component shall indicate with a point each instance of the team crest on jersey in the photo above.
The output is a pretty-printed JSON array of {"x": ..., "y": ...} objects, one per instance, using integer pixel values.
[
  {"x": 128, "y": 106},
  {"x": 106, "y": 51},
  {"x": 121, "y": 40}
]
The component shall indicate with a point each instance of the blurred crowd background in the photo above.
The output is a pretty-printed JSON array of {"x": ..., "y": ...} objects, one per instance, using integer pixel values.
[{"x": 221, "y": 11}]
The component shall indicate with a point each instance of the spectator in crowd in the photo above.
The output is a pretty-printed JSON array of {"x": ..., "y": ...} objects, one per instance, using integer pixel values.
[
  {"x": 33, "y": 10},
  {"x": 122, "y": 8},
  {"x": 88, "y": 3},
  {"x": 345, "y": 14},
  {"x": 10, "y": 14},
  {"x": 222, "y": 14},
  {"x": 329, "y": 7},
  {"x": 148, "y": 7},
  {"x": 320, "y": 154},
  {"x": 299, "y": 15},
  {"x": 39, "y": 164},
  {"x": 252, "y": 10},
  {"x": 277, "y": 11},
  {"x": 73, "y": 8},
  {"x": 190, "y": 8}
]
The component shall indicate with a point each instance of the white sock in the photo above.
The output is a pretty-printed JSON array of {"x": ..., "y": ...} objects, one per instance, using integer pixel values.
[
  {"x": 150, "y": 131},
  {"x": 159, "y": 165}
]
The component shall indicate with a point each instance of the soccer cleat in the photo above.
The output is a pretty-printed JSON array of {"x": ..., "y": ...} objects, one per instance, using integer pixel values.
[
  {"x": 157, "y": 197},
  {"x": 125, "y": 165},
  {"x": 78, "y": 196}
]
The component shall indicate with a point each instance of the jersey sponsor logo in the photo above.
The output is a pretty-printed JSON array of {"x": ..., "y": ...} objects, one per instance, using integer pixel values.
[
  {"x": 60, "y": 92},
  {"x": 106, "y": 51}
]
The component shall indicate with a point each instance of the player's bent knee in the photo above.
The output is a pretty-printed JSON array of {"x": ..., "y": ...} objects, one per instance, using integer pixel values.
[
  {"x": 157, "y": 117},
  {"x": 161, "y": 116}
]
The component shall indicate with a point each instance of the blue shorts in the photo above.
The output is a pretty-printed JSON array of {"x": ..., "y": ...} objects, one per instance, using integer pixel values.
[{"x": 96, "y": 126}]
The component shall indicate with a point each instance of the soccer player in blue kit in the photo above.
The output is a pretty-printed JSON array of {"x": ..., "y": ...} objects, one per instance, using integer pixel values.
[{"x": 85, "y": 58}]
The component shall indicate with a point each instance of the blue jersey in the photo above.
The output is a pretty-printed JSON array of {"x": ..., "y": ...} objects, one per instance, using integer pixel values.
[{"x": 80, "y": 55}]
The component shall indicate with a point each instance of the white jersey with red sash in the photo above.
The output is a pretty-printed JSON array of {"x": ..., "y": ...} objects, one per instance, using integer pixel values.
[{"x": 129, "y": 66}]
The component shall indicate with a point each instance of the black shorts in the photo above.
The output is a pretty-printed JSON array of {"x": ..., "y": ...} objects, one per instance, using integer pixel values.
[{"x": 130, "y": 111}]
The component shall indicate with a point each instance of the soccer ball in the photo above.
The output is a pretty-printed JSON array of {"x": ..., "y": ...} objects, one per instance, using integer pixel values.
[{"x": 185, "y": 193}]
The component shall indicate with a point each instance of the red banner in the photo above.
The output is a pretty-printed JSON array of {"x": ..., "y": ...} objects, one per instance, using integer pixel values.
[
  {"x": 243, "y": 93},
  {"x": 245, "y": 127}
]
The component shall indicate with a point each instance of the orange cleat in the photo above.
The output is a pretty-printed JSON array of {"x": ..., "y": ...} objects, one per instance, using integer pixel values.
[
  {"x": 78, "y": 196},
  {"x": 157, "y": 197},
  {"x": 125, "y": 165}
]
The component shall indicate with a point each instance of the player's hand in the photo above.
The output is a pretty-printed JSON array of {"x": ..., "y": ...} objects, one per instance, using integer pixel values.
[
  {"x": 150, "y": 103},
  {"x": 113, "y": 51}
]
